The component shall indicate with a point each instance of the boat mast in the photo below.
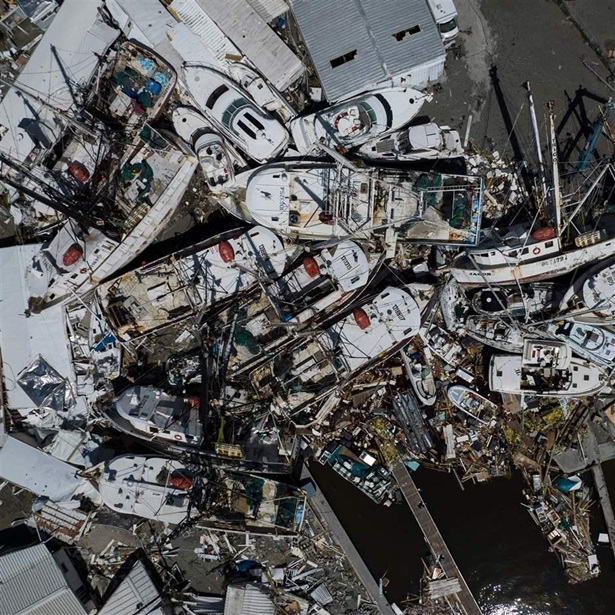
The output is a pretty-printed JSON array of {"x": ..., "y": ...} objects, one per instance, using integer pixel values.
[
  {"x": 556, "y": 193},
  {"x": 541, "y": 164}
]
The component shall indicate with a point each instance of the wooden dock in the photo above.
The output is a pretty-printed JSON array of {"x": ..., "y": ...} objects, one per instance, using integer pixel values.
[{"x": 434, "y": 539}]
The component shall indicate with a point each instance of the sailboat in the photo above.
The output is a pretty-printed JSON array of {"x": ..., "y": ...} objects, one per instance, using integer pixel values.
[
  {"x": 517, "y": 301},
  {"x": 357, "y": 120},
  {"x": 495, "y": 332},
  {"x": 525, "y": 255}
]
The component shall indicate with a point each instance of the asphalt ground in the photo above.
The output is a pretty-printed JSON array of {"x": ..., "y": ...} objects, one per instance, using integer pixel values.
[{"x": 504, "y": 44}]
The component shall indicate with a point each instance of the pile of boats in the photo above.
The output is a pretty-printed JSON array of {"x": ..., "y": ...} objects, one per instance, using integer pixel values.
[{"x": 303, "y": 327}]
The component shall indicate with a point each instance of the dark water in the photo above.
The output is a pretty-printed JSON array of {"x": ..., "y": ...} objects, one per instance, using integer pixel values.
[{"x": 496, "y": 544}]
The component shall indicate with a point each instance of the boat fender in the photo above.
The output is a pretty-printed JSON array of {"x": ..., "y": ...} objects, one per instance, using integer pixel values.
[
  {"x": 72, "y": 255},
  {"x": 361, "y": 318},
  {"x": 227, "y": 253},
  {"x": 311, "y": 267},
  {"x": 536, "y": 250}
]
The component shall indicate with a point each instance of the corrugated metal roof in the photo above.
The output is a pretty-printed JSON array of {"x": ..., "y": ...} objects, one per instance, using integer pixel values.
[
  {"x": 146, "y": 21},
  {"x": 256, "y": 40},
  {"x": 247, "y": 599},
  {"x": 372, "y": 33},
  {"x": 269, "y": 9},
  {"x": 135, "y": 591},
  {"x": 199, "y": 22},
  {"x": 32, "y": 584},
  {"x": 62, "y": 523}
]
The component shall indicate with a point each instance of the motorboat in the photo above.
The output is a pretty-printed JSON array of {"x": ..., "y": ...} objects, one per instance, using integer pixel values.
[
  {"x": 496, "y": 332},
  {"x": 233, "y": 112},
  {"x": 210, "y": 149},
  {"x": 545, "y": 368},
  {"x": 472, "y": 403},
  {"x": 594, "y": 343},
  {"x": 149, "y": 487},
  {"x": 443, "y": 344},
  {"x": 419, "y": 372},
  {"x": 190, "y": 281},
  {"x": 357, "y": 120},
  {"x": 423, "y": 142}
]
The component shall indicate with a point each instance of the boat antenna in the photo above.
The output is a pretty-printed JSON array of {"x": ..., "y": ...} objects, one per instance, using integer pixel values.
[
  {"x": 556, "y": 192},
  {"x": 541, "y": 164}
]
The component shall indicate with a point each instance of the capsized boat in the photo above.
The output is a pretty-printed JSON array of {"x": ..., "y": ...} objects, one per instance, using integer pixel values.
[
  {"x": 315, "y": 286},
  {"x": 517, "y": 301},
  {"x": 190, "y": 281},
  {"x": 232, "y": 111},
  {"x": 496, "y": 332},
  {"x": 472, "y": 403},
  {"x": 443, "y": 344},
  {"x": 422, "y": 142},
  {"x": 546, "y": 368},
  {"x": 310, "y": 370},
  {"x": 320, "y": 200},
  {"x": 355, "y": 121},
  {"x": 150, "y": 487},
  {"x": 210, "y": 149},
  {"x": 150, "y": 414},
  {"x": 454, "y": 304},
  {"x": 591, "y": 342},
  {"x": 420, "y": 374}
]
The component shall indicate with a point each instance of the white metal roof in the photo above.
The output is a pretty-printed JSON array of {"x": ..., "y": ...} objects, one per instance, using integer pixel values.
[
  {"x": 23, "y": 338},
  {"x": 31, "y": 583},
  {"x": 253, "y": 36},
  {"x": 269, "y": 9},
  {"x": 357, "y": 44},
  {"x": 134, "y": 592},
  {"x": 70, "y": 46},
  {"x": 249, "y": 599}
]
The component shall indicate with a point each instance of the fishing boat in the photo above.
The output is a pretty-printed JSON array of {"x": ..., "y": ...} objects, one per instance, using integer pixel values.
[
  {"x": 443, "y": 344},
  {"x": 149, "y": 487},
  {"x": 496, "y": 332},
  {"x": 357, "y": 120},
  {"x": 233, "y": 112},
  {"x": 591, "y": 342},
  {"x": 320, "y": 200},
  {"x": 472, "y": 403},
  {"x": 420, "y": 374},
  {"x": 151, "y": 414},
  {"x": 190, "y": 281},
  {"x": 517, "y": 301},
  {"x": 545, "y": 368},
  {"x": 422, "y": 142},
  {"x": 314, "y": 287},
  {"x": 210, "y": 149},
  {"x": 525, "y": 254},
  {"x": 315, "y": 368}
]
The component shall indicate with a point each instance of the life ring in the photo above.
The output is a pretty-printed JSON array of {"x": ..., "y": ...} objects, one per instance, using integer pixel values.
[
  {"x": 83, "y": 270},
  {"x": 536, "y": 250},
  {"x": 177, "y": 437}
]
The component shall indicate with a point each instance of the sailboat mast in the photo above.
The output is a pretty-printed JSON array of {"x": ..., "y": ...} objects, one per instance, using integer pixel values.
[
  {"x": 556, "y": 193},
  {"x": 541, "y": 164}
]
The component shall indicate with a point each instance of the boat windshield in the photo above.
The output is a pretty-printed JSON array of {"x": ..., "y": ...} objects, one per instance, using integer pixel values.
[
  {"x": 449, "y": 26},
  {"x": 232, "y": 109}
]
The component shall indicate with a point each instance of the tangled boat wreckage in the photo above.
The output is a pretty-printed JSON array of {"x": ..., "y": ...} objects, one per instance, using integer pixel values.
[{"x": 359, "y": 289}]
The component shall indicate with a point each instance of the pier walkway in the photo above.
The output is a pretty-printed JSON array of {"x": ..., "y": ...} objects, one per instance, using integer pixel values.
[
  {"x": 433, "y": 537},
  {"x": 321, "y": 507}
]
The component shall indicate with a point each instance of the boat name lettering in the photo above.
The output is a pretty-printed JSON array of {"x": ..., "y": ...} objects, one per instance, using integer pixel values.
[
  {"x": 398, "y": 312},
  {"x": 346, "y": 262},
  {"x": 283, "y": 202},
  {"x": 263, "y": 252}
]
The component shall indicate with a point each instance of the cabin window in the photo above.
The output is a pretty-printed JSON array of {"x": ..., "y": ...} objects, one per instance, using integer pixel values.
[
  {"x": 575, "y": 368},
  {"x": 153, "y": 429},
  {"x": 364, "y": 187},
  {"x": 232, "y": 109},
  {"x": 347, "y": 57},
  {"x": 255, "y": 121},
  {"x": 72, "y": 277},
  {"x": 215, "y": 95},
  {"x": 492, "y": 253},
  {"x": 246, "y": 129},
  {"x": 370, "y": 112},
  {"x": 524, "y": 251},
  {"x": 407, "y": 33},
  {"x": 513, "y": 254},
  {"x": 549, "y": 244},
  {"x": 499, "y": 373},
  {"x": 586, "y": 377}
]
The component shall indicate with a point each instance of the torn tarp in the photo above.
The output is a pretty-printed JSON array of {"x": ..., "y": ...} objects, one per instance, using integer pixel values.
[{"x": 45, "y": 387}]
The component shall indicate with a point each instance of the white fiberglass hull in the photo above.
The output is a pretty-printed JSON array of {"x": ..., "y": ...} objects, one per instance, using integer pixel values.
[{"x": 533, "y": 271}]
